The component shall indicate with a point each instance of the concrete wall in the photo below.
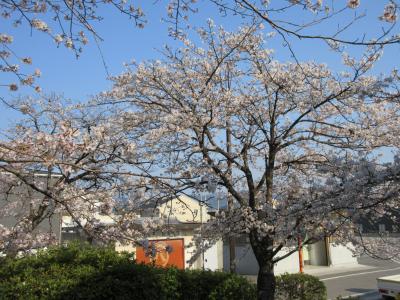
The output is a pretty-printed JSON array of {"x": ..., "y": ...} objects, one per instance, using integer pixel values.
[
  {"x": 18, "y": 201},
  {"x": 317, "y": 254},
  {"x": 342, "y": 255},
  {"x": 213, "y": 257},
  {"x": 247, "y": 264},
  {"x": 290, "y": 264}
]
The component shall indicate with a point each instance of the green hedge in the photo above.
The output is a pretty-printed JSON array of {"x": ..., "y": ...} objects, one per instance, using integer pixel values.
[
  {"x": 299, "y": 287},
  {"x": 84, "y": 272}
]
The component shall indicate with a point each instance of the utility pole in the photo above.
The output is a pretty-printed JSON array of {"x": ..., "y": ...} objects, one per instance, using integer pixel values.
[
  {"x": 300, "y": 249},
  {"x": 231, "y": 240},
  {"x": 201, "y": 233}
]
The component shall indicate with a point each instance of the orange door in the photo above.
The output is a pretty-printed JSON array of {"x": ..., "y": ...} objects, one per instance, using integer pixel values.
[{"x": 162, "y": 253}]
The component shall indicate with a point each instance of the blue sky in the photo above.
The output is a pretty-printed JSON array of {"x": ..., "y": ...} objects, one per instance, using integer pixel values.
[{"x": 80, "y": 78}]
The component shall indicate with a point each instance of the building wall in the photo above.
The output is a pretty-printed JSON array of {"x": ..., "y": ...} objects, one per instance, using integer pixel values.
[
  {"x": 246, "y": 262},
  {"x": 19, "y": 201},
  {"x": 186, "y": 215},
  {"x": 342, "y": 255},
  {"x": 389, "y": 223},
  {"x": 290, "y": 264},
  {"x": 67, "y": 220},
  {"x": 213, "y": 257},
  {"x": 185, "y": 210},
  {"x": 317, "y": 254}
]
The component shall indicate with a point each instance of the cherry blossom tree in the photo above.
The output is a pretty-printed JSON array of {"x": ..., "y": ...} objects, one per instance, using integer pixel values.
[
  {"x": 73, "y": 24},
  {"x": 67, "y": 23},
  {"x": 294, "y": 144},
  {"x": 278, "y": 16},
  {"x": 62, "y": 160}
]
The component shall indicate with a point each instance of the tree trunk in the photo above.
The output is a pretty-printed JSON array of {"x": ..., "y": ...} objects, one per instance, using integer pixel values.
[
  {"x": 266, "y": 282},
  {"x": 263, "y": 251}
]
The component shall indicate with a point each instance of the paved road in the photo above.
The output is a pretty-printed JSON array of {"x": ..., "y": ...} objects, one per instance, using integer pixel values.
[
  {"x": 354, "y": 280},
  {"x": 360, "y": 281}
]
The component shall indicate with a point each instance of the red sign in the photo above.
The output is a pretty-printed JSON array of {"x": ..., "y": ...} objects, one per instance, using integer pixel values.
[{"x": 162, "y": 253}]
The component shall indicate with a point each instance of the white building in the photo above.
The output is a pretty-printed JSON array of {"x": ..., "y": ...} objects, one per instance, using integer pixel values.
[
  {"x": 322, "y": 253},
  {"x": 184, "y": 215}
]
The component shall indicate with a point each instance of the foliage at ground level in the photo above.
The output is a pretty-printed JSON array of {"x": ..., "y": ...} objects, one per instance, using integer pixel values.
[
  {"x": 300, "y": 287},
  {"x": 85, "y": 272}
]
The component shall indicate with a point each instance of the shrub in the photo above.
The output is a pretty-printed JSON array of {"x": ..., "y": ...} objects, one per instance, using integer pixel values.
[
  {"x": 84, "y": 272},
  {"x": 299, "y": 287},
  {"x": 234, "y": 288}
]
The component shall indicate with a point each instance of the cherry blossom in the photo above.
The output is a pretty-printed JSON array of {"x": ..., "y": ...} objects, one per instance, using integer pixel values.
[
  {"x": 292, "y": 143},
  {"x": 59, "y": 161},
  {"x": 390, "y": 13},
  {"x": 353, "y": 3},
  {"x": 73, "y": 23},
  {"x": 66, "y": 23}
]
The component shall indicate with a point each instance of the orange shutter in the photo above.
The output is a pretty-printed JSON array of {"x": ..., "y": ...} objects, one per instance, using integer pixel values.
[{"x": 167, "y": 253}]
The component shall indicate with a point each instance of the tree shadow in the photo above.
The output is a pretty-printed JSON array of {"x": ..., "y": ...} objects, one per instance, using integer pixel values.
[{"x": 359, "y": 290}]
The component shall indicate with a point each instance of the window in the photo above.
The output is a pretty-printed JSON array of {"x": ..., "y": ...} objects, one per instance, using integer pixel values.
[{"x": 382, "y": 228}]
